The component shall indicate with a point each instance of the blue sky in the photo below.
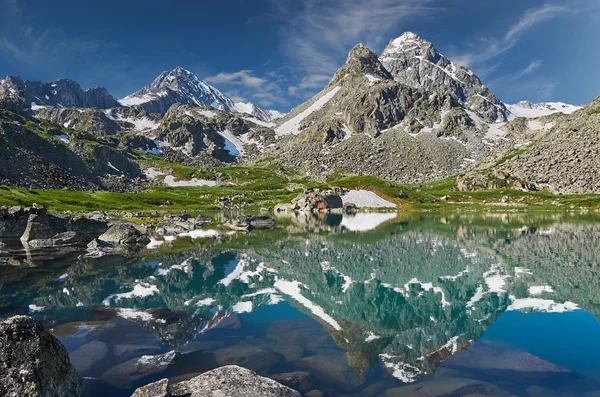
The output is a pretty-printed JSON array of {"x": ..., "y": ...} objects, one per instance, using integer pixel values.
[{"x": 278, "y": 53}]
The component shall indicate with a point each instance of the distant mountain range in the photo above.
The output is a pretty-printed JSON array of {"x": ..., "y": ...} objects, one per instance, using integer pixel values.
[
  {"x": 409, "y": 115},
  {"x": 177, "y": 86}
]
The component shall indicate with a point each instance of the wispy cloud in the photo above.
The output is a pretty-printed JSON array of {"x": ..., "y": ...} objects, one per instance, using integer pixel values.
[
  {"x": 493, "y": 47},
  {"x": 319, "y": 33},
  {"x": 532, "y": 67},
  {"x": 266, "y": 91},
  {"x": 21, "y": 43}
]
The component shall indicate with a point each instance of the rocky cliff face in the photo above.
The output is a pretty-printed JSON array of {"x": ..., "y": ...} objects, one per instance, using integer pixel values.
[
  {"x": 61, "y": 93},
  {"x": 415, "y": 62}
]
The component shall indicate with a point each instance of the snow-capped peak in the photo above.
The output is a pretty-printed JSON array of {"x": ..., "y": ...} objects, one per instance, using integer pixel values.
[
  {"x": 178, "y": 86},
  {"x": 184, "y": 87},
  {"x": 407, "y": 41},
  {"x": 529, "y": 109}
]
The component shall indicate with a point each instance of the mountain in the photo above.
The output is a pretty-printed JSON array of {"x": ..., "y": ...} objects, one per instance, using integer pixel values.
[
  {"x": 528, "y": 109},
  {"x": 20, "y": 95},
  {"x": 415, "y": 62},
  {"x": 366, "y": 122},
  {"x": 180, "y": 86},
  {"x": 177, "y": 86}
]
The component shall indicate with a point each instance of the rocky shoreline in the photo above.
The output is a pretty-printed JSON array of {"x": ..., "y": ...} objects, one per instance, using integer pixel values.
[
  {"x": 101, "y": 233},
  {"x": 35, "y": 363}
]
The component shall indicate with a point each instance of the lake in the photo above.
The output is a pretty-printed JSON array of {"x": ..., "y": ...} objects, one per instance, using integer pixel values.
[{"x": 461, "y": 304}]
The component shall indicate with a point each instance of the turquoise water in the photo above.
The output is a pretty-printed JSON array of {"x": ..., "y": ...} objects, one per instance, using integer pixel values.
[{"x": 427, "y": 305}]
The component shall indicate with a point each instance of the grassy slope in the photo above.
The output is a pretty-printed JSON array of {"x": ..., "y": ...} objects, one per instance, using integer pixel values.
[
  {"x": 266, "y": 185},
  {"x": 260, "y": 187}
]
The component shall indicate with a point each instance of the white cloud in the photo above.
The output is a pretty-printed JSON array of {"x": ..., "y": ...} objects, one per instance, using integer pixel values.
[
  {"x": 533, "y": 66},
  {"x": 322, "y": 33},
  {"x": 493, "y": 47},
  {"x": 245, "y": 85},
  {"x": 319, "y": 34},
  {"x": 532, "y": 18},
  {"x": 243, "y": 77}
]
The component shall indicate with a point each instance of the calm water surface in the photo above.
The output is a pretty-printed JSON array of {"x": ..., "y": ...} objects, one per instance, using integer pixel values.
[{"x": 374, "y": 305}]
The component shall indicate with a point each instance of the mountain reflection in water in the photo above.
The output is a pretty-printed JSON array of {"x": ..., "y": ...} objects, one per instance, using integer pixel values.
[{"x": 364, "y": 305}]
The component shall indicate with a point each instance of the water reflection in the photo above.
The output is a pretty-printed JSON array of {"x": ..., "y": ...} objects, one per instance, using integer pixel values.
[{"x": 369, "y": 311}]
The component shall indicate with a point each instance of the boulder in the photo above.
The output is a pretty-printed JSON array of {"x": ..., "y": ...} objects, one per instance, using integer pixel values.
[
  {"x": 132, "y": 372},
  {"x": 253, "y": 223},
  {"x": 230, "y": 381},
  {"x": 33, "y": 362},
  {"x": 45, "y": 230},
  {"x": 13, "y": 220},
  {"x": 177, "y": 224},
  {"x": 157, "y": 389},
  {"x": 317, "y": 201},
  {"x": 249, "y": 355},
  {"x": 124, "y": 234},
  {"x": 301, "y": 381}
]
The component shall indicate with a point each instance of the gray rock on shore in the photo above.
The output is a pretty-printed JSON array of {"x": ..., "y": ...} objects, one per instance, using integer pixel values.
[
  {"x": 33, "y": 362},
  {"x": 230, "y": 381}
]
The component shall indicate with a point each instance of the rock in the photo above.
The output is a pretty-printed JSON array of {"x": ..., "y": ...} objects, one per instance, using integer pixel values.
[
  {"x": 131, "y": 373},
  {"x": 41, "y": 230},
  {"x": 316, "y": 201},
  {"x": 283, "y": 208},
  {"x": 253, "y": 223},
  {"x": 124, "y": 234},
  {"x": 127, "y": 351},
  {"x": 33, "y": 362},
  {"x": 45, "y": 230},
  {"x": 301, "y": 381},
  {"x": 177, "y": 224},
  {"x": 13, "y": 220},
  {"x": 248, "y": 355},
  {"x": 88, "y": 355},
  {"x": 332, "y": 368},
  {"x": 231, "y": 381},
  {"x": 157, "y": 389}
]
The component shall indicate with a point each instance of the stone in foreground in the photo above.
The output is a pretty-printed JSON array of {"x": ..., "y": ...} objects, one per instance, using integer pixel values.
[
  {"x": 230, "y": 381},
  {"x": 33, "y": 362}
]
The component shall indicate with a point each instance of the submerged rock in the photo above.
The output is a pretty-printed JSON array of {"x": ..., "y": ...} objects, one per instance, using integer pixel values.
[
  {"x": 230, "y": 381},
  {"x": 33, "y": 362},
  {"x": 132, "y": 372},
  {"x": 253, "y": 223}
]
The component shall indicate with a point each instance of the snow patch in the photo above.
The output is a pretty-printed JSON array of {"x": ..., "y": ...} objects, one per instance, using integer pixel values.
[
  {"x": 292, "y": 126},
  {"x": 170, "y": 181},
  {"x": 194, "y": 234},
  {"x": 366, "y": 199}
]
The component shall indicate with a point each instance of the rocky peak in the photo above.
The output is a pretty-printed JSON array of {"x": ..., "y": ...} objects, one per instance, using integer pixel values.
[
  {"x": 364, "y": 63},
  {"x": 60, "y": 93},
  {"x": 178, "y": 86},
  {"x": 414, "y": 61}
]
